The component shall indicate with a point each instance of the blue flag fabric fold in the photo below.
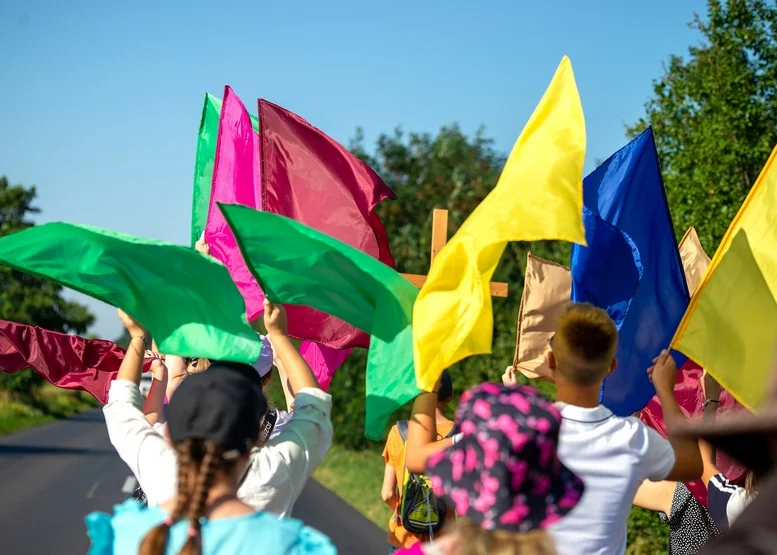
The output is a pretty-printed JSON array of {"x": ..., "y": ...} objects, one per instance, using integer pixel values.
[
  {"x": 637, "y": 274},
  {"x": 617, "y": 274}
]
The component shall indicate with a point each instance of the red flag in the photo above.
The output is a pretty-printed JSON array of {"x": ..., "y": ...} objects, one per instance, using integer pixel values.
[
  {"x": 690, "y": 397},
  {"x": 311, "y": 178},
  {"x": 67, "y": 361}
]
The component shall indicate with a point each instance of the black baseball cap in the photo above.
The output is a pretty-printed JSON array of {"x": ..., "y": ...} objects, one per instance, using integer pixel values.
[{"x": 221, "y": 405}]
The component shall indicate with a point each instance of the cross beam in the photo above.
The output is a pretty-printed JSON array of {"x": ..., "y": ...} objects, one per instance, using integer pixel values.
[{"x": 439, "y": 239}]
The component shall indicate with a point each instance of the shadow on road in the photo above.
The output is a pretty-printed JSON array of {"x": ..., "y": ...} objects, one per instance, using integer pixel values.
[
  {"x": 35, "y": 450},
  {"x": 94, "y": 415},
  {"x": 349, "y": 530}
]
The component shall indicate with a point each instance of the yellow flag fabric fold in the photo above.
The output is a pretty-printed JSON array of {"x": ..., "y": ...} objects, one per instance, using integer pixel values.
[
  {"x": 734, "y": 325},
  {"x": 731, "y": 323},
  {"x": 539, "y": 196}
]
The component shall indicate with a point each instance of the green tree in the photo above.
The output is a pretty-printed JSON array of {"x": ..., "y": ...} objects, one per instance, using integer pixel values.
[
  {"x": 453, "y": 171},
  {"x": 714, "y": 114},
  {"x": 26, "y": 299}
]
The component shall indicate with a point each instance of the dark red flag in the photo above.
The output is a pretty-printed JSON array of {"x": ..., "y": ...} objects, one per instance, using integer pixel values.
[
  {"x": 67, "y": 361},
  {"x": 690, "y": 397},
  {"x": 311, "y": 178}
]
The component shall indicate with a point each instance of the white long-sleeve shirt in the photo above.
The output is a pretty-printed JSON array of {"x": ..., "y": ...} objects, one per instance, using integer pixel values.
[{"x": 277, "y": 472}]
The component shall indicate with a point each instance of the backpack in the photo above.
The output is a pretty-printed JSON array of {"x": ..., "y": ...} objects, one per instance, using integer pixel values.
[{"x": 420, "y": 511}]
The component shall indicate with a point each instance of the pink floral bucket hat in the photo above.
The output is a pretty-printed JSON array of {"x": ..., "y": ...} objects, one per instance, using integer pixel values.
[{"x": 505, "y": 473}]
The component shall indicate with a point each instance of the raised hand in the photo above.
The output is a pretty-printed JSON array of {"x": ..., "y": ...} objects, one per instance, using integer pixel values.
[
  {"x": 508, "y": 378},
  {"x": 275, "y": 319},
  {"x": 663, "y": 373},
  {"x": 201, "y": 246},
  {"x": 133, "y": 327}
]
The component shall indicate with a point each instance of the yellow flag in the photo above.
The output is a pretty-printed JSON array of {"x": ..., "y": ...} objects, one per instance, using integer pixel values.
[
  {"x": 731, "y": 324},
  {"x": 538, "y": 196}
]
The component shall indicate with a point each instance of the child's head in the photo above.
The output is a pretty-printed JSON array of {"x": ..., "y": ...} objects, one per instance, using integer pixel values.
[
  {"x": 583, "y": 347},
  {"x": 197, "y": 365}
]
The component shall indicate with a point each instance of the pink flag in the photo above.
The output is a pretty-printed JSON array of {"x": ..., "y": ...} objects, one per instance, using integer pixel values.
[
  {"x": 323, "y": 361},
  {"x": 237, "y": 180},
  {"x": 690, "y": 397}
]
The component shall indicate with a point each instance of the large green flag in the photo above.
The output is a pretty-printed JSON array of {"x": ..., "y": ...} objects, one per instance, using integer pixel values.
[
  {"x": 297, "y": 265},
  {"x": 187, "y": 301},
  {"x": 204, "y": 160}
]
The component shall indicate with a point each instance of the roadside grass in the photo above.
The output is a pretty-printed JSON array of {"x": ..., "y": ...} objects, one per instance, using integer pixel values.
[
  {"x": 357, "y": 476},
  {"x": 46, "y": 404}
]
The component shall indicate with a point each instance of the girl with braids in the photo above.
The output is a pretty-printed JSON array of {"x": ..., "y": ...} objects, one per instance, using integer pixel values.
[
  {"x": 273, "y": 477},
  {"x": 214, "y": 420}
]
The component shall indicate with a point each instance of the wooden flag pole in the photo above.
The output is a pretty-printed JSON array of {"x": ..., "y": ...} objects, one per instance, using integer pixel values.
[{"x": 439, "y": 239}]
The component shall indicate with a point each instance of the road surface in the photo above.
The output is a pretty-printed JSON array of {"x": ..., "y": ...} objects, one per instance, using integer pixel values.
[{"x": 53, "y": 475}]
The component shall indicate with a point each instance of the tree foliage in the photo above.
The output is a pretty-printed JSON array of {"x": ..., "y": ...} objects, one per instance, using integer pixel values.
[
  {"x": 714, "y": 114},
  {"x": 453, "y": 171},
  {"x": 26, "y": 299}
]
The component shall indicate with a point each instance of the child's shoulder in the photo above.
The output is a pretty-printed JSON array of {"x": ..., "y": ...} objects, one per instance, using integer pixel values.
[{"x": 128, "y": 517}]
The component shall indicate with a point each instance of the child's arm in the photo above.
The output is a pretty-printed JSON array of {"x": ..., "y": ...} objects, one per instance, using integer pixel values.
[
  {"x": 389, "y": 490},
  {"x": 422, "y": 433},
  {"x": 154, "y": 406},
  {"x": 688, "y": 465}
]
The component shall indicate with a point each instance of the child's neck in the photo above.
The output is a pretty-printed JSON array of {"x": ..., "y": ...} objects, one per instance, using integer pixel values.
[{"x": 584, "y": 397}]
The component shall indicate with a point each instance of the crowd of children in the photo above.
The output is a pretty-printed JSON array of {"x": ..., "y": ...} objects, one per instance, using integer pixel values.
[{"x": 220, "y": 469}]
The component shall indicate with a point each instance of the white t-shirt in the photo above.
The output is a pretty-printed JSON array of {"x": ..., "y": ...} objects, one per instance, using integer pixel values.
[
  {"x": 276, "y": 474},
  {"x": 613, "y": 456}
]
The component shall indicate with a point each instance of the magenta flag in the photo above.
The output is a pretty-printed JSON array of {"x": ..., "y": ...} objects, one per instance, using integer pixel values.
[
  {"x": 311, "y": 178},
  {"x": 67, "y": 361},
  {"x": 323, "y": 360},
  {"x": 236, "y": 180}
]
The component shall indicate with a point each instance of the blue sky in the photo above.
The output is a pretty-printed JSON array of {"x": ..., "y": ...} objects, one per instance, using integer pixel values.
[{"x": 100, "y": 101}]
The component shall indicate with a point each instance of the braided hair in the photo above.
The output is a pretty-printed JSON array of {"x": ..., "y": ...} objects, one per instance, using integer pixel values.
[
  {"x": 155, "y": 542},
  {"x": 200, "y": 460},
  {"x": 211, "y": 462}
]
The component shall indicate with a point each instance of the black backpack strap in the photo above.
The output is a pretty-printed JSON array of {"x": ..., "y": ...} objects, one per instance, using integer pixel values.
[{"x": 402, "y": 428}]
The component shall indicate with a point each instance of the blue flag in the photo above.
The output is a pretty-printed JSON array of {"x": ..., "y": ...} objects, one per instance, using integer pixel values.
[{"x": 631, "y": 267}]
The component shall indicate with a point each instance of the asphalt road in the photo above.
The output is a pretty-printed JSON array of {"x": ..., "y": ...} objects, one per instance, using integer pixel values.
[{"x": 53, "y": 475}]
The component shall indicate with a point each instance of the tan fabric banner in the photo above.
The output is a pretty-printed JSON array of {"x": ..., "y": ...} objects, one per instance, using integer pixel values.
[{"x": 546, "y": 291}]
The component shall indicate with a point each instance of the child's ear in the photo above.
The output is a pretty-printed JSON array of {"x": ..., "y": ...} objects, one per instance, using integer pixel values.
[
  {"x": 613, "y": 366},
  {"x": 551, "y": 360}
]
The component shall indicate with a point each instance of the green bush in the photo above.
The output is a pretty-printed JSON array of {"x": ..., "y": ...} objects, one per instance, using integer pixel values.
[{"x": 21, "y": 385}]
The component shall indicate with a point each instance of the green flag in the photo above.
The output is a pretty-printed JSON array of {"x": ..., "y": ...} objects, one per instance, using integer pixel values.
[
  {"x": 297, "y": 265},
  {"x": 187, "y": 301},
  {"x": 204, "y": 160}
]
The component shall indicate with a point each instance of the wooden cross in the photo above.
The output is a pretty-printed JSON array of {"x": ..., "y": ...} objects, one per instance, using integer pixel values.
[{"x": 439, "y": 238}]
